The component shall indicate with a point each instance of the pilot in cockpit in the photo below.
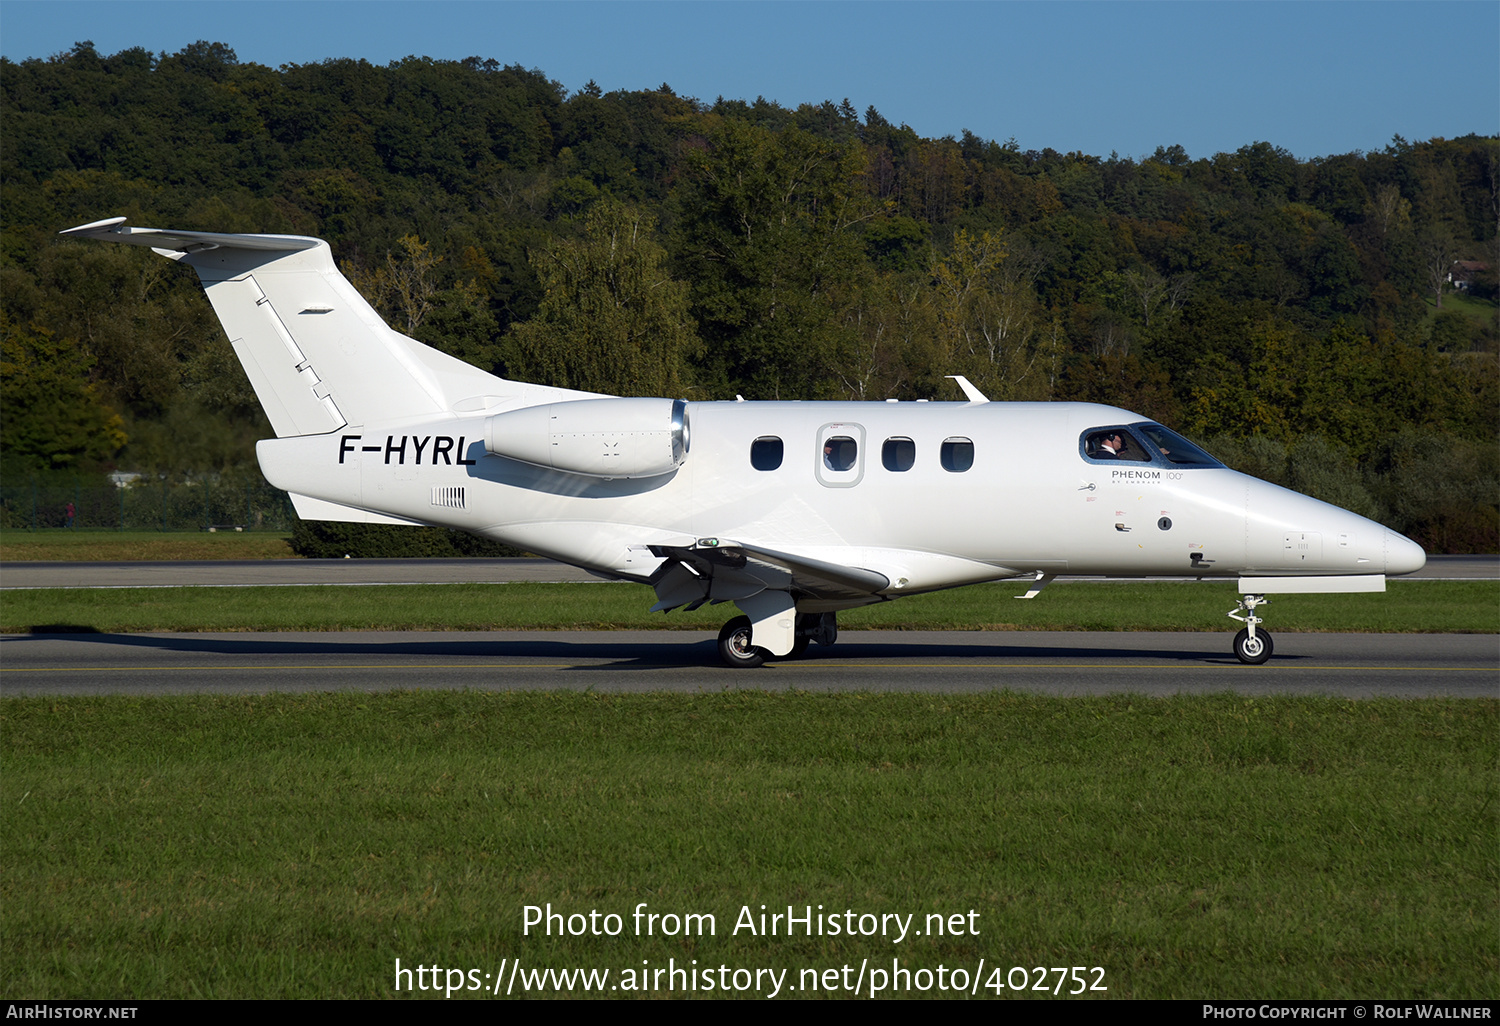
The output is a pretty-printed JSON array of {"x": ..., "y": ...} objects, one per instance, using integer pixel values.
[
  {"x": 1109, "y": 446},
  {"x": 1114, "y": 444}
]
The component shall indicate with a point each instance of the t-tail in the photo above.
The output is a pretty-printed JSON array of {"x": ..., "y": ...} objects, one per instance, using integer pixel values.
[{"x": 320, "y": 359}]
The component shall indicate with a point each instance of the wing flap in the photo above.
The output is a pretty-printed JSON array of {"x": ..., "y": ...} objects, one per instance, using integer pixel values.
[
  {"x": 824, "y": 579},
  {"x": 725, "y": 571}
]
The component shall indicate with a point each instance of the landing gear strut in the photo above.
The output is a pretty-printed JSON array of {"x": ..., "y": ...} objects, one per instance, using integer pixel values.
[{"x": 1251, "y": 646}]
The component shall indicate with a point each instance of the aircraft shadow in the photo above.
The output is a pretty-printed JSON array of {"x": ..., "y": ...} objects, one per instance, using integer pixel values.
[{"x": 629, "y": 652}]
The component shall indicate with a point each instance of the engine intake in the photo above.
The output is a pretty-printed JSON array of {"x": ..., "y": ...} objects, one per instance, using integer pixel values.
[{"x": 609, "y": 438}]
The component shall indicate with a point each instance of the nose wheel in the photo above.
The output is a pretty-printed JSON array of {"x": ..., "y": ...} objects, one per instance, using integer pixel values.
[
  {"x": 1251, "y": 645},
  {"x": 1253, "y": 648}
]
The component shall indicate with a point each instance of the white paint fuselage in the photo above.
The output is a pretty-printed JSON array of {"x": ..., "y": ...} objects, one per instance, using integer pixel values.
[{"x": 1031, "y": 501}]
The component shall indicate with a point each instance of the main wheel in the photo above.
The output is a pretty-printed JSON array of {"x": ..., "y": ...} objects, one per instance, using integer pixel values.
[
  {"x": 734, "y": 645},
  {"x": 820, "y": 627},
  {"x": 1254, "y": 650}
]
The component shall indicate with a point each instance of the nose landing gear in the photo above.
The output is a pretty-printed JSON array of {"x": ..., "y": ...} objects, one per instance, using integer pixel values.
[{"x": 1251, "y": 646}]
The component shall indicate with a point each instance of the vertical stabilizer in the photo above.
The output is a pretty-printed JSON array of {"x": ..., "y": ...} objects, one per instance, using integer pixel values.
[{"x": 319, "y": 357}]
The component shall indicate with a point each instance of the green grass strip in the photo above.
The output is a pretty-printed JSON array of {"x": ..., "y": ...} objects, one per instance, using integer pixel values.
[
  {"x": 1408, "y": 606},
  {"x": 297, "y": 845},
  {"x": 128, "y": 546}
]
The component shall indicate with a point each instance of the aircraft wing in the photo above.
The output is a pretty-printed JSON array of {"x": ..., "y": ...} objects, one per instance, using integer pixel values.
[{"x": 718, "y": 570}]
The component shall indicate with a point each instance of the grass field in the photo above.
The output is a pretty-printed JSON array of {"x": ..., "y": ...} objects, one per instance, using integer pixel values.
[
  {"x": 1424, "y": 606},
  {"x": 296, "y": 846},
  {"x": 1190, "y": 847},
  {"x": 122, "y": 546},
  {"x": 1481, "y": 311}
]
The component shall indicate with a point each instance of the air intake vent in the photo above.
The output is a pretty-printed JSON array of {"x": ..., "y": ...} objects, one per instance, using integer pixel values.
[{"x": 449, "y": 497}]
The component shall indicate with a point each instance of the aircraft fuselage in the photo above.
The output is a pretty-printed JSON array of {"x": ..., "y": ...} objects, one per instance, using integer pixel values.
[{"x": 932, "y": 494}]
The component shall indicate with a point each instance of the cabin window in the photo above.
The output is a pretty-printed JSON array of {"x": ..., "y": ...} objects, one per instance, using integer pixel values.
[
  {"x": 766, "y": 453},
  {"x": 840, "y": 452},
  {"x": 957, "y": 455},
  {"x": 839, "y": 459},
  {"x": 898, "y": 454}
]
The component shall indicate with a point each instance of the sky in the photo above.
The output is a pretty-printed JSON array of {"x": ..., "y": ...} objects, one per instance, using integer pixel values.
[{"x": 1314, "y": 78}]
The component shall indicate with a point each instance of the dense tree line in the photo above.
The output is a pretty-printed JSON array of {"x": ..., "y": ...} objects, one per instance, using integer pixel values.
[{"x": 1295, "y": 313}]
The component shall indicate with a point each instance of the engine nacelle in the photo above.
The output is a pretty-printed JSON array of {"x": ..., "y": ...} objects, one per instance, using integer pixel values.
[{"x": 610, "y": 438}]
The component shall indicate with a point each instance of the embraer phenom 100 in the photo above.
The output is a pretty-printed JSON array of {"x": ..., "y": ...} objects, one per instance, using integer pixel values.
[{"x": 790, "y": 510}]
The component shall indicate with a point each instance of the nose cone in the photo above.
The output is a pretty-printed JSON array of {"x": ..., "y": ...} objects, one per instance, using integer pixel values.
[{"x": 1402, "y": 555}]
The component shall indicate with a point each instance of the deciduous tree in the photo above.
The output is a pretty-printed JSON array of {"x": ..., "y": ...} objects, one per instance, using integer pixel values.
[{"x": 612, "y": 320}]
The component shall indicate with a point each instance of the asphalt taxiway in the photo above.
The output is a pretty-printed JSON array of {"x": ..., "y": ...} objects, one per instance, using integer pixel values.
[
  {"x": 1050, "y": 662},
  {"x": 1055, "y": 662}
]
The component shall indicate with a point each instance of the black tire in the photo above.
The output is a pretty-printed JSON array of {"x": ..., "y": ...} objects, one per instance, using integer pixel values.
[
  {"x": 735, "y": 648},
  {"x": 821, "y": 627},
  {"x": 1253, "y": 652},
  {"x": 799, "y": 647}
]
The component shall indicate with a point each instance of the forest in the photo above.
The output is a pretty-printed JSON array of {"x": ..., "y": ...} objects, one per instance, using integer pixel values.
[{"x": 1329, "y": 323}]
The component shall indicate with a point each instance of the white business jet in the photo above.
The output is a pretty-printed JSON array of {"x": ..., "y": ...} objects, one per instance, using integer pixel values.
[{"x": 790, "y": 510}]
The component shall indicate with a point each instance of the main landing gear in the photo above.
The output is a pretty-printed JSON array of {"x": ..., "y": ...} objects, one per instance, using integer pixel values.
[
  {"x": 1251, "y": 646},
  {"x": 735, "y": 648},
  {"x": 736, "y": 651}
]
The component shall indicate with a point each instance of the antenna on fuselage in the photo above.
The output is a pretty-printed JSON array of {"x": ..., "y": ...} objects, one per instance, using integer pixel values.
[{"x": 974, "y": 395}]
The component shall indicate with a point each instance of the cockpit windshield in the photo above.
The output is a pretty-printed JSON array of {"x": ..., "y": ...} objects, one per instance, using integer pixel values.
[{"x": 1168, "y": 445}]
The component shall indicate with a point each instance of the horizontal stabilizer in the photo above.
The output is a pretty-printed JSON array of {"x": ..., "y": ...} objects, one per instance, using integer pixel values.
[{"x": 114, "y": 229}]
